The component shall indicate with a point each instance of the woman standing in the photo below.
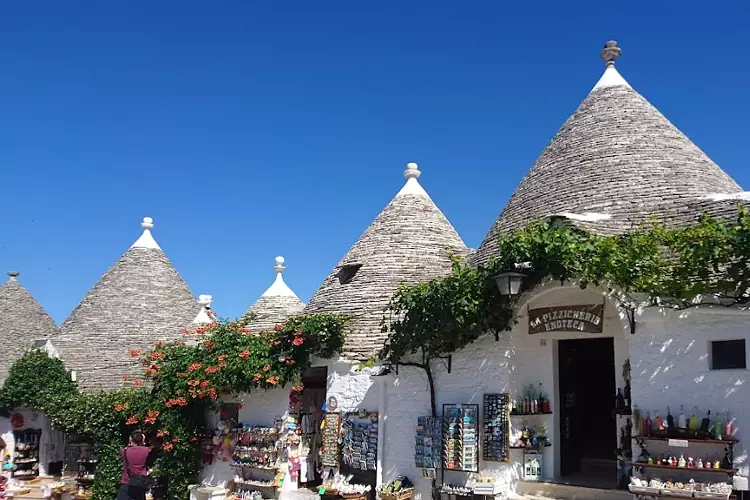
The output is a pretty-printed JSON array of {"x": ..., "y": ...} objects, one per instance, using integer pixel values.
[{"x": 134, "y": 459}]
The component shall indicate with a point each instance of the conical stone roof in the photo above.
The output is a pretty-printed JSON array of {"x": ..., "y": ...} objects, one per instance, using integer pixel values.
[
  {"x": 617, "y": 162},
  {"x": 276, "y": 305},
  {"x": 140, "y": 300},
  {"x": 409, "y": 241},
  {"x": 23, "y": 321}
]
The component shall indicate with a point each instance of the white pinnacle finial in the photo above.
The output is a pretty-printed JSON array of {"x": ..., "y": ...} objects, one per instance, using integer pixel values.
[
  {"x": 205, "y": 315},
  {"x": 146, "y": 240},
  {"x": 12, "y": 275},
  {"x": 412, "y": 186},
  {"x": 279, "y": 288},
  {"x": 611, "y": 77},
  {"x": 279, "y": 267},
  {"x": 412, "y": 171}
]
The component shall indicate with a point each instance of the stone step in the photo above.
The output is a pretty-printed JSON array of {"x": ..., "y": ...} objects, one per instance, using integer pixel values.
[{"x": 545, "y": 491}]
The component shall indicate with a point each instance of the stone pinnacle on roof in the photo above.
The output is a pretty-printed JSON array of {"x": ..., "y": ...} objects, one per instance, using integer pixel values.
[
  {"x": 610, "y": 52},
  {"x": 24, "y": 322},
  {"x": 147, "y": 239},
  {"x": 205, "y": 315},
  {"x": 277, "y": 304},
  {"x": 141, "y": 299},
  {"x": 618, "y": 157},
  {"x": 408, "y": 242}
]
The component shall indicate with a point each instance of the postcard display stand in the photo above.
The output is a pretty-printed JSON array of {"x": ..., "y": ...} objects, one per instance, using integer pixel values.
[
  {"x": 496, "y": 428},
  {"x": 428, "y": 449},
  {"x": 331, "y": 452},
  {"x": 460, "y": 440}
]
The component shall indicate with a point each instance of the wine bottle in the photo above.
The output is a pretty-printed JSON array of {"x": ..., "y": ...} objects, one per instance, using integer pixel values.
[
  {"x": 670, "y": 419},
  {"x": 694, "y": 420},
  {"x": 658, "y": 423},
  {"x": 682, "y": 421},
  {"x": 706, "y": 422},
  {"x": 628, "y": 399},
  {"x": 647, "y": 424},
  {"x": 619, "y": 401},
  {"x": 728, "y": 428}
]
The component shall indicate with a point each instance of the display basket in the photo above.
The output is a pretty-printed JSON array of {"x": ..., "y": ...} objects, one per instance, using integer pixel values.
[
  {"x": 677, "y": 493},
  {"x": 354, "y": 496},
  {"x": 405, "y": 494}
]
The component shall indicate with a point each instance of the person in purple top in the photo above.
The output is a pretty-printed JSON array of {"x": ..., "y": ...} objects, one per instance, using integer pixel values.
[{"x": 134, "y": 463}]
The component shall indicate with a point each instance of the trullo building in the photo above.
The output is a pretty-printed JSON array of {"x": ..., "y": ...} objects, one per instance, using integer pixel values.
[
  {"x": 25, "y": 322},
  {"x": 139, "y": 300}
]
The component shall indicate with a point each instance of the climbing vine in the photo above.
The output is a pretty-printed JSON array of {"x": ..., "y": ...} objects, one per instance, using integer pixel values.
[
  {"x": 650, "y": 266},
  {"x": 182, "y": 381}
]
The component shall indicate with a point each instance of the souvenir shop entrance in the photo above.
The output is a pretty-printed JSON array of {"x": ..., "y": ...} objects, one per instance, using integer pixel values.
[
  {"x": 315, "y": 382},
  {"x": 588, "y": 430}
]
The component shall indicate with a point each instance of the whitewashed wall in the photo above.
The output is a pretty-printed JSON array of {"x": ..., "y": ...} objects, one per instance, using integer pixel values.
[
  {"x": 490, "y": 366},
  {"x": 670, "y": 358}
]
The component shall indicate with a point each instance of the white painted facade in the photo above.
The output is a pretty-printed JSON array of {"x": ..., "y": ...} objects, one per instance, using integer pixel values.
[{"x": 670, "y": 366}]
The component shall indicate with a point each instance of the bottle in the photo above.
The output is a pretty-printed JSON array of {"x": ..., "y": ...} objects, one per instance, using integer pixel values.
[
  {"x": 718, "y": 429},
  {"x": 628, "y": 399},
  {"x": 706, "y": 422},
  {"x": 693, "y": 424},
  {"x": 619, "y": 401},
  {"x": 658, "y": 423},
  {"x": 541, "y": 399},
  {"x": 681, "y": 421},
  {"x": 670, "y": 419},
  {"x": 654, "y": 427},
  {"x": 728, "y": 428},
  {"x": 547, "y": 407},
  {"x": 647, "y": 425}
]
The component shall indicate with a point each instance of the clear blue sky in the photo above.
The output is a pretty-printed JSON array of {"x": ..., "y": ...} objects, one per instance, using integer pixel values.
[{"x": 251, "y": 129}]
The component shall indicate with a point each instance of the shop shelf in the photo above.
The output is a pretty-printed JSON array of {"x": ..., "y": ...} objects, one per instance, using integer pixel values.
[{"x": 686, "y": 469}]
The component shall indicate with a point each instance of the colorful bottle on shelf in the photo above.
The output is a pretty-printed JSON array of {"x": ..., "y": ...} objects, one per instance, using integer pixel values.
[
  {"x": 706, "y": 422},
  {"x": 728, "y": 427},
  {"x": 693, "y": 424},
  {"x": 658, "y": 423},
  {"x": 682, "y": 421},
  {"x": 718, "y": 429},
  {"x": 670, "y": 419},
  {"x": 547, "y": 406}
]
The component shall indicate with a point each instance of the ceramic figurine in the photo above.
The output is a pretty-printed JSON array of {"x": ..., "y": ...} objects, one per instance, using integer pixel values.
[
  {"x": 670, "y": 462},
  {"x": 699, "y": 465},
  {"x": 691, "y": 463},
  {"x": 717, "y": 464},
  {"x": 682, "y": 463},
  {"x": 694, "y": 420}
]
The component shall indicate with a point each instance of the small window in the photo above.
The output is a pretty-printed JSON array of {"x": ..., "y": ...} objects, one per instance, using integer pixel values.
[
  {"x": 728, "y": 355},
  {"x": 347, "y": 273}
]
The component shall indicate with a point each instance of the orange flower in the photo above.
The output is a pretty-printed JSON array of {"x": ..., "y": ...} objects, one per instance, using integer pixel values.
[
  {"x": 167, "y": 446},
  {"x": 152, "y": 416},
  {"x": 162, "y": 433},
  {"x": 290, "y": 362},
  {"x": 157, "y": 355},
  {"x": 209, "y": 344},
  {"x": 266, "y": 368},
  {"x": 200, "y": 330},
  {"x": 193, "y": 367},
  {"x": 119, "y": 408},
  {"x": 273, "y": 380},
  {"x": 186, "y": 331},
  {"x": 125, "y": 378},
  {"x": 137, "y": 383},
  {"x": 134, "y": 419},
  {"x": 245, "y": 354},
  {"x": 134, "y": 353},
  {"x": 212, "y": 393},
  {"x": 213, "y": 369},
  {"x": 298, "y": 341},
  {"x": 257, "y": 377},
  {"x": 222, "y": 357},
  {"x": 204, "y": 384},
  {"x": 244, "y": 330},
  {"x": 277, "y": 328},
  {"x": 159, "y": 343},
  {"x": 193, "y": 383}
]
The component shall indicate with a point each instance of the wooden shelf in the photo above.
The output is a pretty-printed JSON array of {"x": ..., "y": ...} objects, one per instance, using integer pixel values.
[
  {"x": 690, "y": 469},
  {"x": 530, "y": 448},
  {"x": 689, "y": 440},
  {"x": 666, "y": 495},
  {"x": 530, "y": 414}
]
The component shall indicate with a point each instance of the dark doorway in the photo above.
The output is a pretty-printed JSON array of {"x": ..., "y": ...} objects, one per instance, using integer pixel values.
[{"x": 588, "y": 431}]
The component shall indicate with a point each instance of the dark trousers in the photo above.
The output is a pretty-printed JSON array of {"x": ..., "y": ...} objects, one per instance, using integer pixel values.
[{"x": 127, "y": 493}]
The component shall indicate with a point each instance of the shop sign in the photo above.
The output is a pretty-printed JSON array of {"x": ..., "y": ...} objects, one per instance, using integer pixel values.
[{"x": 587, "y": 318}]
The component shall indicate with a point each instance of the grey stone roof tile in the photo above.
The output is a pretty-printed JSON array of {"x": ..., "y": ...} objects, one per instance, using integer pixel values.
[{"x": 23, "y": 321}]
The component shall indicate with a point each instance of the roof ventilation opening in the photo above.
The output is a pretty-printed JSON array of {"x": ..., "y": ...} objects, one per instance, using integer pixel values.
[{"x": 347, "y": 272}]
